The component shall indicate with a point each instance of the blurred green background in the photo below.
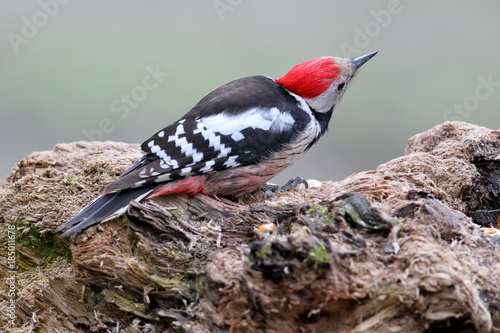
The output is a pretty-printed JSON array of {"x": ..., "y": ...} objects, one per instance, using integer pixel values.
[{"x": 65, "y": 66}]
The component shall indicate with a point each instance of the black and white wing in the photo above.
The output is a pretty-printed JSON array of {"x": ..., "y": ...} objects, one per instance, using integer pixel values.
[{"x": 237, "y": 124}]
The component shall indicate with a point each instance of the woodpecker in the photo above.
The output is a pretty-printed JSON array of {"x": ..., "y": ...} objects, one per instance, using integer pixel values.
[{"x": 235, "y": 139}]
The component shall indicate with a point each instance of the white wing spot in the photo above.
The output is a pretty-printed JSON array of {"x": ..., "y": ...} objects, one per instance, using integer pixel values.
[
  {"x": 187, "y": 148},
  {"x": 161, "y": 134},
  {"x": 214, "y": 141},
  {"x": 231, "y": 162},
  {"x": 237, "y": 136},
  {"x": 163, "y": 177},
  {"x": 167, "y": 162},
  {"x": 185, "y": 171},
  {"x": 155, "y": 149},
  {"x": 208, "y": 166},
  {"x": 181, "y": 142},
  {"x": 223, "y": 151},
  {"x": 178, "y": 131},
  {"x": 197, "y": 157},
  {"x": 199, "y": 127},
  {"x": 161, "y": 154},
  {"x": 164, "y": 165}
]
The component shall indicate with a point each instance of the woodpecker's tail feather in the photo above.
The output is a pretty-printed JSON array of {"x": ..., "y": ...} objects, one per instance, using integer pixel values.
[{"x": 104, "y": 208}]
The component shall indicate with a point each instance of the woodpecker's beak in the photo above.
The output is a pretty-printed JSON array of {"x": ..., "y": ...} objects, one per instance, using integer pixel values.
[{"x": 358, "y": 62}]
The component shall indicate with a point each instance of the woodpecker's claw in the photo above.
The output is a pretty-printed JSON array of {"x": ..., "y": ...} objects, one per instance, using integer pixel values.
[{"x": 273, "y": 189}]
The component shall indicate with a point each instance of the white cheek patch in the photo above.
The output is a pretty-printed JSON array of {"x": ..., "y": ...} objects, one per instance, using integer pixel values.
[{"x": 327, "y": 100}]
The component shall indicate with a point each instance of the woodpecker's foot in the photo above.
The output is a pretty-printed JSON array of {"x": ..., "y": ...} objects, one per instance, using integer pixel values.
[{"x": 273, "y": 189}]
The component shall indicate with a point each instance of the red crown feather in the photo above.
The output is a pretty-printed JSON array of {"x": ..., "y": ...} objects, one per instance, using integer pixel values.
[{"x": 311, "y": 78}]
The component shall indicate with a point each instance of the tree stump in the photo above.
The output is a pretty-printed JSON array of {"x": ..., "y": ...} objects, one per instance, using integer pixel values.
[{"x": 396, "y": 249}]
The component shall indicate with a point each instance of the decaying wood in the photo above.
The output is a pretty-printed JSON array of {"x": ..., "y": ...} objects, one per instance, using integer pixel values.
[{"x": 396, "y": 249}]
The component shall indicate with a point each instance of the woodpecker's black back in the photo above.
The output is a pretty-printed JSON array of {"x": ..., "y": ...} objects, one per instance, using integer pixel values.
[{"x": 238, "y": 95}]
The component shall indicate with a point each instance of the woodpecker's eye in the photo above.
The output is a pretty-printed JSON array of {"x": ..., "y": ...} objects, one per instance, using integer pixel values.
[{"x": 341, "y": 86}]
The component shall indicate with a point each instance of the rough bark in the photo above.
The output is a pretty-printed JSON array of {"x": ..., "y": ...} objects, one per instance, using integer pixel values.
[{"x": 396, "y": 249}]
